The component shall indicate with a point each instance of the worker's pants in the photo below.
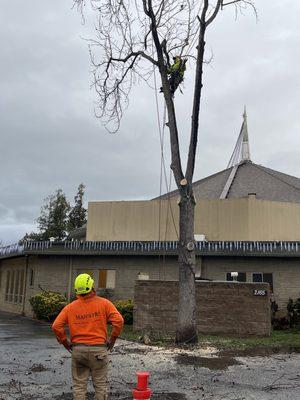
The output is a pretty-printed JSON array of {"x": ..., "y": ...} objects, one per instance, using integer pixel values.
[{"x": 86, "y": 360}]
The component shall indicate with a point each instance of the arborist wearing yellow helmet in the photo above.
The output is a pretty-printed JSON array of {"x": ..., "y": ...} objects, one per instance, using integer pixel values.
[
  {"x": 176, "y": 73},
  {"x": 87, "y": 318}
]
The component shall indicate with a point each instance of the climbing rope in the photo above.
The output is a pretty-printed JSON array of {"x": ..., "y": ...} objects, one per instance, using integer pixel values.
[{"x": 163, "y": 174}]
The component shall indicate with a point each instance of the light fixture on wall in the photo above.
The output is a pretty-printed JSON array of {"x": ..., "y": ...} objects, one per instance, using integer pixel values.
[{"x": 234, "y": 276}]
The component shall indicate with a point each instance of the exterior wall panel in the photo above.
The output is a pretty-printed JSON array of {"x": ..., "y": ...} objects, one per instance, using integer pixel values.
[
  {"x": 246, "y": 219},
  {"x": 286, "y": 273},
  {"x": 222, "y": 308}
]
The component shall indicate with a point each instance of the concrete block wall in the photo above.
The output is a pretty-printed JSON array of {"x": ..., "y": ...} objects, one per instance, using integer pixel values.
[
  {"x": 49, "y": 273},
  {"x": 127, "y": 269},
  {"x": 229, "y": 308},
  {"x": 54, "y": 273},
  {"x": 285, "y": 270}
]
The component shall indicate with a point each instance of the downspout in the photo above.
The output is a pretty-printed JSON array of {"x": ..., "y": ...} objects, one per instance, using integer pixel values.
[
  {"x": 70, "y": 278},
  {"x": 25, "y": 283}
]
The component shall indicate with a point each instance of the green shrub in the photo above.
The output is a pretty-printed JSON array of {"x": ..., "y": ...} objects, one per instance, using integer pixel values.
[
  {"x": 125, "y": 307},
  {"x": 47, "y": 305},
  {"x": 287, "y": 320},
  {"x": 293, "y": 309}
]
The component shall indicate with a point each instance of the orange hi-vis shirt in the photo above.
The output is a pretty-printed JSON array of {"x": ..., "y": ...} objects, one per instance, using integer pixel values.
[{"x": 87, "y": 318}]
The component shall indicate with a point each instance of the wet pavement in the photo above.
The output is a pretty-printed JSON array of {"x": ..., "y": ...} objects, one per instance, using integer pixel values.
[{"x": 34, "y": 367}]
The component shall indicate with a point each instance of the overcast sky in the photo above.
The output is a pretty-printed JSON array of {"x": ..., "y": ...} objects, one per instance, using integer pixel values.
[{"x": 50, "y": 138}]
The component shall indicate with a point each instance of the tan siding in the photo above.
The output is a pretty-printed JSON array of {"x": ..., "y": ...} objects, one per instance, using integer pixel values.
[
  {"x": 131, "y": 220},
  {"x": 229, "y": 219}
]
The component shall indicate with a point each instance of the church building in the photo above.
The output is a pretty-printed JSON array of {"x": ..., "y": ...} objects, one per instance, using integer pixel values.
[{"x": 247, "y": 220}]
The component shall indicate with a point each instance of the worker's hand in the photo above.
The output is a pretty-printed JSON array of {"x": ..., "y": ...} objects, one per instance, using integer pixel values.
[
  {"x": 111, "y": 342},
  {"x": 67, "y": 346}
]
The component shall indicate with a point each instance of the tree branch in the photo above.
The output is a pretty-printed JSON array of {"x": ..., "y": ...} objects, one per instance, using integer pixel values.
[
  {"x": 197, "y": 97},
  {"x": 215, "y": 13},
  {"x": 172, "y": 123},
  {"x": 239, "y": 3},
  {"x": 135, "y": 54}
]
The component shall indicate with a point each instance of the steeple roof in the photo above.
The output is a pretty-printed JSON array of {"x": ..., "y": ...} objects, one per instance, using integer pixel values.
[
  {"x": 241, "y": 150},
  {"x": 249, "y": 177},
  {"x": 243, "y": 177}
]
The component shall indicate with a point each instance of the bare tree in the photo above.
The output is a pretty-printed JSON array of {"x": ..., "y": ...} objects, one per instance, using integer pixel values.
[{"x": 134, "y": 39}]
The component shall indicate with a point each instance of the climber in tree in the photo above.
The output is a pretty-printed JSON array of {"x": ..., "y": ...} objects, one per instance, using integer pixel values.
[{"x": 176, "y": 73}]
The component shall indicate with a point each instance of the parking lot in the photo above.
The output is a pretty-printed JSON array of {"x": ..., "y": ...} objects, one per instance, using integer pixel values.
[{"x": 34, "y": 366}]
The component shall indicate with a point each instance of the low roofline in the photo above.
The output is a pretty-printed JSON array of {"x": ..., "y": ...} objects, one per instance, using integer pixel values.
[{"x": 152, "y": 248}]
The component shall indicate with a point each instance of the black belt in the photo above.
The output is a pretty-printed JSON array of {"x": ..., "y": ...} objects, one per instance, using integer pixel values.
[{"x": 89, "y": 345}]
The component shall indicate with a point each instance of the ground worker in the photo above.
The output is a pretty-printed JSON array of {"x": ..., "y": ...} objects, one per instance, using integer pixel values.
[
  {"x": 87, "y": 318},
  {"x": 176, "y": 73}
]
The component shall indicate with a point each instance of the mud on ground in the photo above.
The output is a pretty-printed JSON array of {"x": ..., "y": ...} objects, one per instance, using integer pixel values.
[{"x": 128, "y": 396}]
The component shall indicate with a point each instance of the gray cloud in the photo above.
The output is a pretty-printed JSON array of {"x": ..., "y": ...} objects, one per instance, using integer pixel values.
[{"x": 50, "y": 138}]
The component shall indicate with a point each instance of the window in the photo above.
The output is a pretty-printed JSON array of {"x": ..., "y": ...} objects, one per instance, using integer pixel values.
[
  {"x": 14, "y": 286},
  {"x": 107, "y": 279},
  {"x": 21, "y": 286},
  {"x": 240, "y": 278},
  {"x": 31, "y": 277},
  {"x": 7, "y": 285},
  {"x": 11, "y": 289},
  {"x": 263, "y": 277}
]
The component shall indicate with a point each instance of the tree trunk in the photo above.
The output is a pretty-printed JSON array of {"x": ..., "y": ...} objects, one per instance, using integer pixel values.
[{"x": 186, "y": 326}]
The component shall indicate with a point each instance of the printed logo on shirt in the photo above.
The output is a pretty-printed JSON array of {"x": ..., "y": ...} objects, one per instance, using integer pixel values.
[{"x": 90, "y": 315}]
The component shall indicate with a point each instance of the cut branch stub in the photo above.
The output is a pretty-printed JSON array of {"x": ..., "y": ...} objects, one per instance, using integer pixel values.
[
  {"x": 183, "y": 182},
  {"x": 190, "y": 246}
]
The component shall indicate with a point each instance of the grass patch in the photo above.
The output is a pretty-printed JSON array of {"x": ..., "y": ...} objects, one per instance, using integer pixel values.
[
  {"x": 277, "y": 339},
  {"x": 128, "y": 334}
]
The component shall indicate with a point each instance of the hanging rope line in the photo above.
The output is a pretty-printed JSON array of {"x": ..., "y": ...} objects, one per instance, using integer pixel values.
[
  {"x": 161, "y": 130},
  {"x": 163, "y": 174}
]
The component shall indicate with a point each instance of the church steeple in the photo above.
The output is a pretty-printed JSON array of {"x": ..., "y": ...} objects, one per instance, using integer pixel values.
[
  {"x": 245, "y": 144},
  {"x": 241, "y": 151}
]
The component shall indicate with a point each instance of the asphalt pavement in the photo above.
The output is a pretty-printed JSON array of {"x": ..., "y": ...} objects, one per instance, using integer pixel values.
[{"x": 35, "y": 367}]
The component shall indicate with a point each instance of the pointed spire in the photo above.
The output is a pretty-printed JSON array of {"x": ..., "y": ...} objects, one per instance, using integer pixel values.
[
  {"x": 245, "y": 145},
  {"x": 241, "y": 151}
]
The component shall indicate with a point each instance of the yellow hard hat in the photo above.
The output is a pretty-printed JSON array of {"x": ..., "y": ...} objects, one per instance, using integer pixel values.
[{"x": 83, "y": 284}]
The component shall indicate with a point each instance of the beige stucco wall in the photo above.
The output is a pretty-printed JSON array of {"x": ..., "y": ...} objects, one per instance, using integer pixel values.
[
  {"x": 131, "y": 220},
  {"x": 223, "y": 219},
  {"x": 274, "y": 220},
  {"x": 228, "y": 219}
]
